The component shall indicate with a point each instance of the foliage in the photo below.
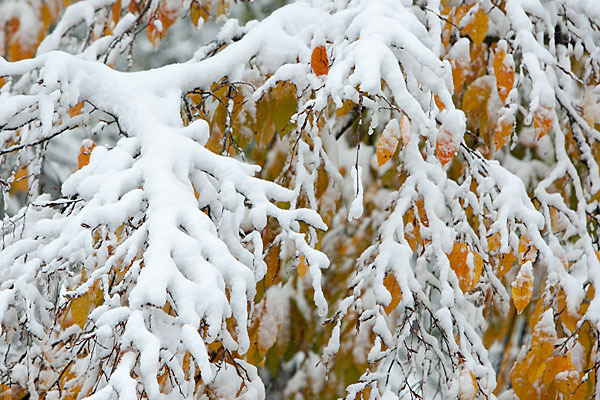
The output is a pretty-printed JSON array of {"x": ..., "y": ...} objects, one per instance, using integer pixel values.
[{"x": 364, "y": 198}]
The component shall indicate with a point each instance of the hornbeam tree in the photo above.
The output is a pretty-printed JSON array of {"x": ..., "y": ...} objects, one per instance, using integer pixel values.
[{"x": 366, "y": 199}]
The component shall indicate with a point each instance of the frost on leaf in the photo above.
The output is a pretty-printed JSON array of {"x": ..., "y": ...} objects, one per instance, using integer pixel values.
[
  {"x": 477, "y": 27},
  {"x": 522, "y": 287},
  {"x": 542, "y": 121},
  {"x": 467, "y": 385},
  {"x": 445, "y": 146},
  {"x": 388, "y": 142}
]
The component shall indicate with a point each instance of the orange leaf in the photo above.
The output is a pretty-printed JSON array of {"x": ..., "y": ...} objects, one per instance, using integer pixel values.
[
  {"x": 445, "y": 146},
  {"x": 503, "y": 132},
  {"x": 388, "y": 142},
  {"x": 84, "y": 153},
  {"x": 522, "y": 287},
  {"x": 478, "y": 27},
  {"x": 542, "y": 121},
  {"x": 135, "y": 6},
  {"x": 527, "y": 251},
  {"x": 405, "y": 129},
  {"x": 153, "y": 34},
  {"x": 504, "y": 69},
  {"x": 319, "y": 61},
  {"x": 438, "y": 102},
  {"x": 458, "y": 263},
  {"x": 391, "y": 284},
  {"x": 76, "y": 109},
  {"x": 115, "y": 12},
  {"x": 2, "y": 82}
]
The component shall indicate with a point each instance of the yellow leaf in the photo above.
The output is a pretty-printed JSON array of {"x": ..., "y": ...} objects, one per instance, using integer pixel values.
[
  {"x": 302, "y": 267},
  {"x": 80, "y": 308},
  {"x": 346, "y": 107},
  {"x": 560, "y": 369},
  {"x": 200, "y": 9},
  {"x": 478, "y": 27},
  {"x": 392, "y": 286},
  {"x": 21, "y": 181},
  {"x": 522, "y": 287},
  {"x": 223, "y": 8},
  {"x": 570, "y": 321},
  {"x": 467, "y": 385},
  {"x": 475, "y": 97},
  {"x": 527, "y": 251},
  {"x": 405, "y": 129},
  {"x": 504, "y": 69},
  {"x": 445, "y": 146},
  {"x": 388, "y": 142},
  {"x": 542, "y": 121},
  {"x": 521, "y": 385},
  {"x": 319, "y": 61}
]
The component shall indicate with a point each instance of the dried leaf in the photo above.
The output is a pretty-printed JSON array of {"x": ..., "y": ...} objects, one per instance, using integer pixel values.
[
  {"x": 388, "y": 142},
  {"x": 391, "y": 284},
  {"x": 504, "y": 69},
  {"x": 445, "y": 146},
  {"x": 319, "y": 61}
]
